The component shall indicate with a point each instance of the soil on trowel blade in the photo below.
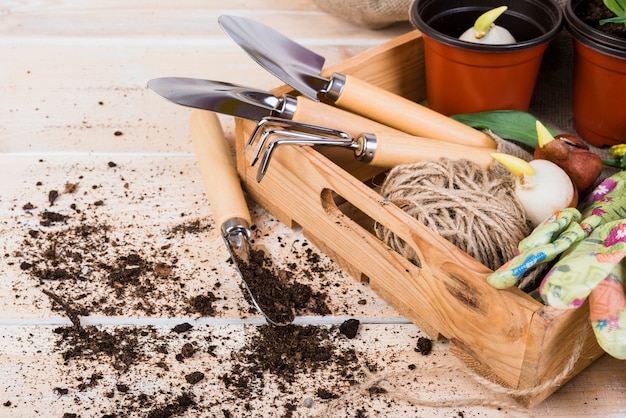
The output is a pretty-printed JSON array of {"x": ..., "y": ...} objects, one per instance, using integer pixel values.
[{"x": 276, "y": 298}]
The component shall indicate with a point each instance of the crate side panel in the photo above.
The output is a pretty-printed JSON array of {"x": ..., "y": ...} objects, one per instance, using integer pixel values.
[{"x": 396, "y": 66}]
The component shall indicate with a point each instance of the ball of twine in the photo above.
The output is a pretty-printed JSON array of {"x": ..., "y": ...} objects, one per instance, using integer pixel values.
[{"x": 473, "y": 208}]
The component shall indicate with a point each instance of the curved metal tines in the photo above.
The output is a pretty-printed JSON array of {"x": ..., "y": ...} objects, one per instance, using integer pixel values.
[
  {"x": 297, "y": 140},
  {"x": 289, "y": 132},
  {"x": 268, "y": 124},
  {"x": 291, "y": 137},
  {"x": 274, "y": 121}
]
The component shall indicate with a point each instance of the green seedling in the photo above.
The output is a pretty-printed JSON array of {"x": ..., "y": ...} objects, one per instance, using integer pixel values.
[
  {"x": 619, "y": 8},
  {"x": 485, "y": 22},
  {"x": 618, "y": 152},
  {"x": 485, "y": 31}
]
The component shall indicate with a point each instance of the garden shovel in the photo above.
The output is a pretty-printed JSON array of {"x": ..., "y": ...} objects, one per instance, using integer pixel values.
[
  {"x": 231, "y": 213},
  {"x": 301, "y": 68}
]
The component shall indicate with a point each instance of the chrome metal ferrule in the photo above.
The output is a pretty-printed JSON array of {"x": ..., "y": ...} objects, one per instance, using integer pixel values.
[
  {"x": 335, "y": 86},
  {"x": 287, "y": 107},
  {"x": 236, "y": 227},
  {"x": 367, "y": 147},
  {"x": 236, "y": 234}
]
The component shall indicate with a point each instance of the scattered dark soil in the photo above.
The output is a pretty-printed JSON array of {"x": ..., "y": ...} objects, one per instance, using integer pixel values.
[
  {"x": 592, "y": 11},
  {"x": 349, "y": 328},
  {"x": 84, "y": 266},
  {"x": 181, "y": 328},
  {"x": 424, "y": 346},
  {"x": 284, "y": 354},
  {"x": 273, "y": 356},
  {"x": 180, "y": 405},
  {"x": 119, "y": 346},
  {"x": 194, "y": 377},
  {"x": 203, "y": 304},
  {"x": 105, "y": 271}
]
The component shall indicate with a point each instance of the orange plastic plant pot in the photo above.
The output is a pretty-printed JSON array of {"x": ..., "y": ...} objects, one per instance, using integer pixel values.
[
  {"x": 466, "y": 81},
  {"x": 467, "y": 77},
  {"x": 599, "y": 87},
  {"x": 599, "y": 81}
]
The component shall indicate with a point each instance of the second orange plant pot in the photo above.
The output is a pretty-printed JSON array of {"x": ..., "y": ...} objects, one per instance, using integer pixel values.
[{"x": 599, "y": 82}]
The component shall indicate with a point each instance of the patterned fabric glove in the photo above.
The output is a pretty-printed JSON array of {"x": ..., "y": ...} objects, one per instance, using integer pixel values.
[
  {"x": 594, "y": 269},
  {"x": 547, "y": 241},
  {"x": 568, "y": 284},
  {"x": 563, "y": 230},
  {"x": 591, "y": 264}
]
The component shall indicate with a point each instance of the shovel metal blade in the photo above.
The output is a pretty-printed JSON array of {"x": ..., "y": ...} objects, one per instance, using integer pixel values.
[
  {"x": 237, "y": 241},
  {"x": 291, "y": 62},
  {"x": 217, "y": 96}
]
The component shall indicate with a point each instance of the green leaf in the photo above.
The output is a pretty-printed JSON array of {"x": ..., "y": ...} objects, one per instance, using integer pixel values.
[
  {"x": 514, "y": 125},
  {"x": 621, "y": 19},
  {"x": 621, "y": 163},
  {"x": 618, "y": 7}
]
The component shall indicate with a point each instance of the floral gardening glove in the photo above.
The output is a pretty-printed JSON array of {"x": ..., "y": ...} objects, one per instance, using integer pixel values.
[
  {"x": 577, "y": 273},
  {"x": 564, "y": 229},
  {"x": 594, "y": 268},
  {"x": 591, "y": 264},
  {"x": 547, "y": 241}
]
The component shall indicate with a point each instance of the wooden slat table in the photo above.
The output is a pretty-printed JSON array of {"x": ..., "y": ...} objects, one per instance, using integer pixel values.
[{"x": 78, "y": 119}]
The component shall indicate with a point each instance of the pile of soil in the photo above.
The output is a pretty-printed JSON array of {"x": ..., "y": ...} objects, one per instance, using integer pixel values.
[
  {"x": 276, "y": 298},
  {"x": 592, "y": 11}
]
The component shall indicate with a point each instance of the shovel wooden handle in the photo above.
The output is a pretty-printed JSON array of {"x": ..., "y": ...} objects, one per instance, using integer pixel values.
[
  {"x": 223, "y": 188},
  {"x": 407, "y": 116},
  {"x": 394, "y": 149}
]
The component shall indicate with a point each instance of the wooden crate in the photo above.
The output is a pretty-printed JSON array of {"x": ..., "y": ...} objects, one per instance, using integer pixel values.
[{"x": 504, "y": 335}]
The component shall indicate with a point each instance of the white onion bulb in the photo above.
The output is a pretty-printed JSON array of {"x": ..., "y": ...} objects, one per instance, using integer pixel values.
[{"x": 485, "y": 31}]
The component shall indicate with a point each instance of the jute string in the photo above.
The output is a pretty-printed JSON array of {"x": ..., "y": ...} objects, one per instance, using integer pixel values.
[
  {"x": 473, "y": 208},
  {"x": 385, "y": 381}
]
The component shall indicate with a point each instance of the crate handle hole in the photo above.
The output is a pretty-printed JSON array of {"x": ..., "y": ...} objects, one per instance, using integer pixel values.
[{"x": 336, "y": 205}]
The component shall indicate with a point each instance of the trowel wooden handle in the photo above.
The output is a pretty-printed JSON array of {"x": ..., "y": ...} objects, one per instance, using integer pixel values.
[
  {"x": 321, "y": 114},
  {"x": 217, "y": 168},
  {"x": 394, "y": 149},
  {"x": 405, "y": 115}
]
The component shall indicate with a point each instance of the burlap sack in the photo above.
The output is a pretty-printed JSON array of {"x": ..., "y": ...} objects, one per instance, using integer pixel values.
[{"x": 373, "y": 14}]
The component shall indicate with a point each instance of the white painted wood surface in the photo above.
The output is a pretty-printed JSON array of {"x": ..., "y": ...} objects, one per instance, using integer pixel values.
[{"x": 74, "y": 73}]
